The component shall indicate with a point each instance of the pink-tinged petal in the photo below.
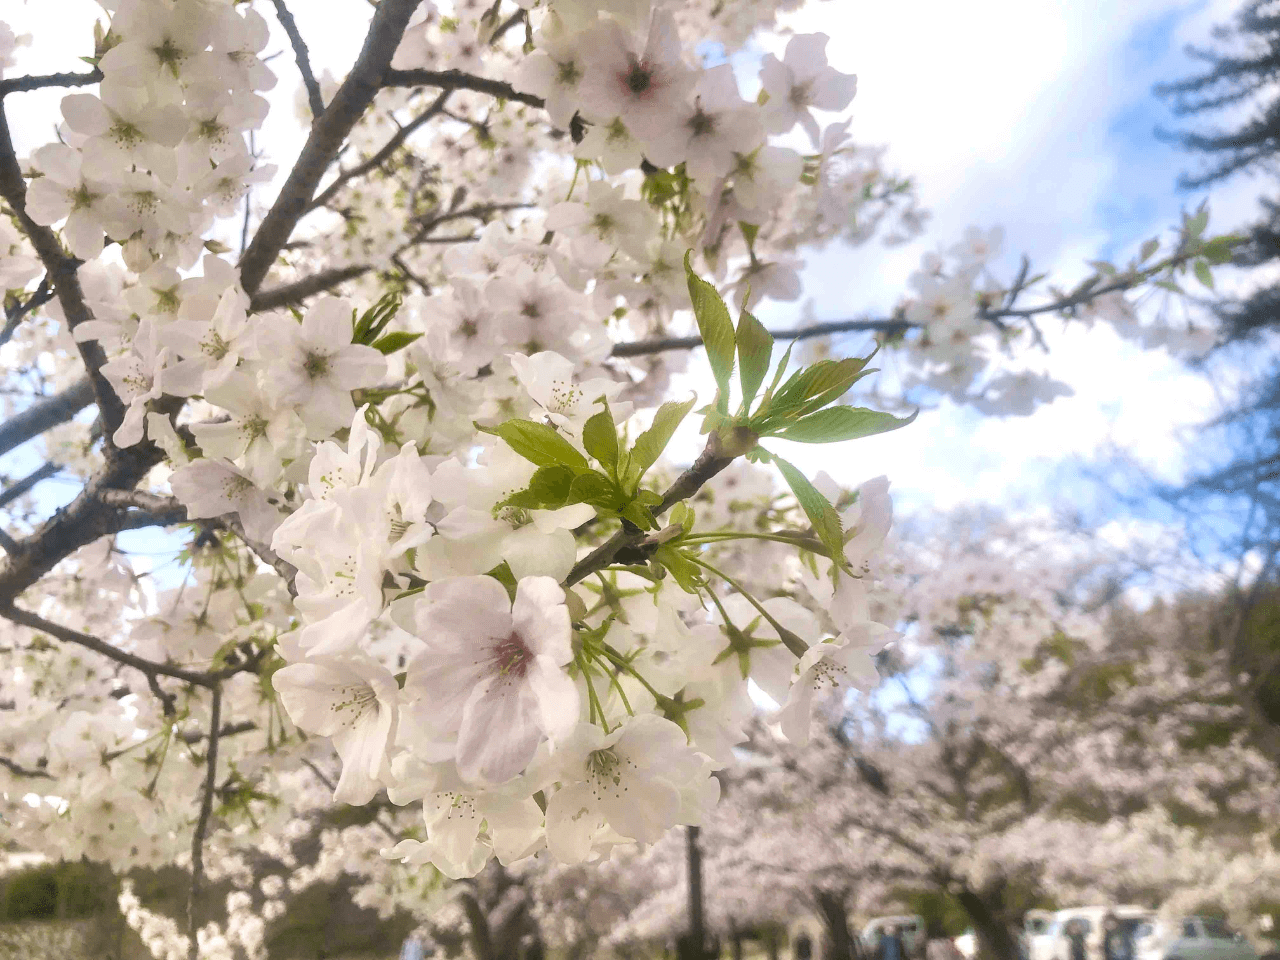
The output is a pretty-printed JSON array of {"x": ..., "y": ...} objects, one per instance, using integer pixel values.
[
  {"x": 810, "y": 127},
  {"x": 437, "y": 687},
  {"x": 540, "y": 617},
  {"x": 834, "y": 91},
  {"x": 461, "y": 612},
  {"x": 806, "y": 54},
  {"x": 559, "y": 704},
  {"x": 499, "y": 734}
]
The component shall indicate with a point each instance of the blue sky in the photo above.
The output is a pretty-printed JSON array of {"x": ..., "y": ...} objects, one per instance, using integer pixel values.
[{"x": 1034, "y": 115}]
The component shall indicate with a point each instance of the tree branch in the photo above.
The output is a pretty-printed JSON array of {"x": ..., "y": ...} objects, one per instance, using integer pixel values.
[
  {"x": 62, "y": 272},
  {"x": 149, "y": 668},
  {"x": 43, "y": 472},
  {"x": 202, "y": 823},
  {"x": 328, "y": 133},
  {"x": 384, "y": 153},
  {"x": 14, "y": 315},
  {"x": 79, "y": 523},
  {"x": 709, "y": 463},
  {"x": 45, "y": 414},
  {"x": 24, "y": 84},
  {"x": 457, "y": 80},
  {"x": 299, "y": 290},
  {"x": 20, "y": 771},
  {"x": 303, "y": 58},
  {"x": 639, "y": 348}
]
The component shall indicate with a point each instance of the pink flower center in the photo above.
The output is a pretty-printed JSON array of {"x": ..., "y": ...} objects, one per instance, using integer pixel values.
[{"x": 511, "y": 657}]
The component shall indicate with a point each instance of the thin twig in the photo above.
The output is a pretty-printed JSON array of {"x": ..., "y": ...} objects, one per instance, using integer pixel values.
[
  {"x": 457, "y": 80},
  {"x": 21, "y": 771},
  {"x": 662, "y": 344},
  {"x": 43, "y": 472},
  {"x": 202, "y": 823},
  {"x": 303, "y": 57},
  {"x": 15, "y": 314},
  {"x": 384, "y": 153},
  {"x": 150, "y": 668}
]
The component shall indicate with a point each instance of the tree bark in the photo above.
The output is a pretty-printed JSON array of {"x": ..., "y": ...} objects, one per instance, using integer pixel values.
[
  {"x": 838, "y": 942},
  {"x": 995, "y": 941}
]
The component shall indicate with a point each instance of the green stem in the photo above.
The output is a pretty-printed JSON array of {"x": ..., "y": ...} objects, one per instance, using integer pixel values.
[{"x": 793, "y": 643}]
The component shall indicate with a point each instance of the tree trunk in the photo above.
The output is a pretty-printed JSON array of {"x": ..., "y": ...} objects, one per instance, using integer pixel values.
[
  {"x": 838, "y": 942},
  {"x": 995, "y": 942}
]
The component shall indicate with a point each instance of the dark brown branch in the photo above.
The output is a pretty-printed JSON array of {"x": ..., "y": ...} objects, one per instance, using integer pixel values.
[
  {"x": 228, "y": 730},
  {"x": 21, "y": 771},
  {"x": 384, "y": 153},
  {"x": 149, "y": 668},
  {"x": 709, "y": 463},
  {"x": 45, "y": 414},
  {"x": 299, "y": 290},
  {"x": 15, "y": 314},
  {"x": 202, "y": 823},
  {"x": 662, "y": 344},
  {"x": 457, "y": 80},
  {"x": 328, "y": 133},
  {"x": 43, "y": 472},
  {"x": 24, "y": 84},
  {"x": 303, "y": 58},
  {"x": 79, "y": 523},
  {"x": 62, "y": 272}
]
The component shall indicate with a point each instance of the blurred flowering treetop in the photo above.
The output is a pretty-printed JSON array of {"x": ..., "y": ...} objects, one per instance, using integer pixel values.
[{"x": 432, "y": 525}]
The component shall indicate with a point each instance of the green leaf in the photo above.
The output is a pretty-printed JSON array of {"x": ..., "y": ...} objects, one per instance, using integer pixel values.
[
  {"x": 374, "y": 320},
  {"x": 1168, "y": 285},
  {"x": 823, "y": 516},
  {"x": 778, "y": 373},
  {"x": 1203, "y": 273},
  {"x": 394, "y": 341},
  {"x": 548, "y": 489},
  {"x": 593, "y": 488},
  {"x": 1147, "y": 249},
  {"x": 1195, "y": 226},
  {"x": 818, "y": 385},
  {"x": 755, "y": 349},
  {"x": 600, "y": 438},
  {"x": 650, "y": 444},
  {"x": 714, "y": 325},
  {"x": 537, "y": 442},
  {"x": 842, "y": 423}
]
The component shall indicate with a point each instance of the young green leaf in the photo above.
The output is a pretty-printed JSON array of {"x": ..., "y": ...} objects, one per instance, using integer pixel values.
[
  {"x": 600, "y": 438},
  {"x": 396, "y": 340},
  {"x": 823, "y": 516},
  {"x": 650, "y": 444},
  {"x": 714, "y": 325},
  {"x": 594, "y": 489},
  {"x": 548, "y": 489},
  {"x": 841, "y": 423},
  {"x": 538, "y": 443},
  {"x": 755, "y": 349},
  {"x": 1204, "y": 274}
]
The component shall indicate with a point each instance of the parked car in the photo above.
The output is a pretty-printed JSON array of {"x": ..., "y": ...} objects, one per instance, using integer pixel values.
[
  {"x": 1191, "y": 938},
  {"x": 1056, "y": 945},
  {"x": 967, "y": 944},
  {"x": 911, "y": 929}
]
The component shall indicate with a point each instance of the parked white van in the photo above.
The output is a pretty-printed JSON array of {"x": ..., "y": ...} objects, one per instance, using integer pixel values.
[
  {"x": 1058, "y": 946},
  {"x": 1191, "y": 938}
]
